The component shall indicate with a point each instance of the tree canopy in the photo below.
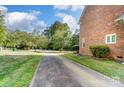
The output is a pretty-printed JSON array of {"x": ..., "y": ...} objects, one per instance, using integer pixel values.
[
  {"x": 24, "y": 40},
  {"x": 56, "y": 37},
  {"x": 2, "y": 29},
  {"x": 59, "y": 36}
]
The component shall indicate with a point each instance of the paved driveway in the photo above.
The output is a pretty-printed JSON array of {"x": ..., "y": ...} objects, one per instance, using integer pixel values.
[{"x": 56, "y": 71}]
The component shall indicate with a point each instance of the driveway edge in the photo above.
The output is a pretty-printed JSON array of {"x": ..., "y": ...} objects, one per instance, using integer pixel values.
[
  {"x": 121, "y": 84},
  {"x": 33, "y": 78}
]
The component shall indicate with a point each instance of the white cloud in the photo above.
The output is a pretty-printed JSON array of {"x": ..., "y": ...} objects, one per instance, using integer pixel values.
[
  {"x": 34, "y": 12},
  {"x": 71, "y": 7},
  {"x": 77, "y": 7},
  {"x": 70, "y": 20},
  {"x": 26, "y": 21},
  {"x": 3, "y": 10},
  {"x": 61, "y": 7}
]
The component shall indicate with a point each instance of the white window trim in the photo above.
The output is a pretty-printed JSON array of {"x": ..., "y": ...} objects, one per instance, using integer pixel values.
[{"x": 110, "y": 38}]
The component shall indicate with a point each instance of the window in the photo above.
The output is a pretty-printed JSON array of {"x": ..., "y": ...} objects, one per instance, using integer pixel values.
[
  {"x": 110, "y": 39},
  {"x": 113, "y": 38},
  {"x": 83, "y": 42}
]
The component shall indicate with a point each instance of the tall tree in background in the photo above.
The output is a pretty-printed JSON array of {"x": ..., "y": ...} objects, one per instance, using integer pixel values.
[
  {"x": 24, "y": 40},
  {"x": 50, "y": 31},
  {"x": 2, "y": 28},
  {"x": 17, "y": 39},
  {"x": 40, "y": 41},
  {"x": 56, "y": 37},
  {"x": 75, "y": 40},
  {"x": 59, "y": 36}
]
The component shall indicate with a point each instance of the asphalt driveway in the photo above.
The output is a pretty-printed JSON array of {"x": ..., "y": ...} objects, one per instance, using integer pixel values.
[{"x": 56, "y": 71}]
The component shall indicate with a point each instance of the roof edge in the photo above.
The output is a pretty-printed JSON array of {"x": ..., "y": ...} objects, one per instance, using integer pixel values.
[{"x": 83, "y": 13}]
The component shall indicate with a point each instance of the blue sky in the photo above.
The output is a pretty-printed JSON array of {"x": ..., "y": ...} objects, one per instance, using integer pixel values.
[{"x": 28, "y": 17}]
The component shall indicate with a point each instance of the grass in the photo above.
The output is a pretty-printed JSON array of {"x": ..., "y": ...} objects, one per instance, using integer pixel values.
[
  {"x": 17, "y": 71},
  {"x": 107, "y": 67}
]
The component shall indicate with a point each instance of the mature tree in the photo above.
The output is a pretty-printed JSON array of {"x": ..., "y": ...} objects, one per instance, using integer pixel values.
[
  {"x": 59, "y": 35},
  {"x": 17, "y": 39},
  {"x": 50, "y": 31},
  {"x": 40, "y": 41},
  {"x": 44, "y": 42},
  {"x": 2, "y": 29},
  {"x": 24, "y": 40},
  {"x": 61, "y": 40},
  {"x": 10, "y": 40},
  {"x": 56, "y": 34},
  {"x": 75, "y": 40}
]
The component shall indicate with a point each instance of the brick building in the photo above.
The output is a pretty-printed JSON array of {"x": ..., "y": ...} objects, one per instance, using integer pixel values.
[{"x": 98, "y": 26}]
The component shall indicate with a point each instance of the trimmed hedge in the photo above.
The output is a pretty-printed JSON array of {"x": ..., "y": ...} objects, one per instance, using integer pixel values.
[{"x": 101, "y": 51}]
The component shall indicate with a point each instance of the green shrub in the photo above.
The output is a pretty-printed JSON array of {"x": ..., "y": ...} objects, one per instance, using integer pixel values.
[{"x": 101, "y": 51}]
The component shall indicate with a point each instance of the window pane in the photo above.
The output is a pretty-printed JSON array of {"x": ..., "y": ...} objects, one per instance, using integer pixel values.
[
  {"x": 108, "y": 38},
  {"x": 113, "y": 38}
]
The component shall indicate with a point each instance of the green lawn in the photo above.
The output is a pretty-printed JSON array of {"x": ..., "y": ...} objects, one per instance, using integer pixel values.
[
  {"x": 106, "y": 67},
  {"x": 17, "y": 71}
]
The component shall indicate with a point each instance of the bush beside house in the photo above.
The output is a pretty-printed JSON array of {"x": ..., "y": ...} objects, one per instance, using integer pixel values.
[{"x": 100, "y": 51}]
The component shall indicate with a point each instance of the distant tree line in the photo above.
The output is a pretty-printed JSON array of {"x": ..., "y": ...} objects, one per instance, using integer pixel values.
[
  {"x": 24, "y": 40},
  {"x": 56, "y": 37}
]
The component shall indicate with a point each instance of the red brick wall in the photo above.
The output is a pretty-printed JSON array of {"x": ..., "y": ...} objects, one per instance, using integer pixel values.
[{"x": 98, "y": 21}]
